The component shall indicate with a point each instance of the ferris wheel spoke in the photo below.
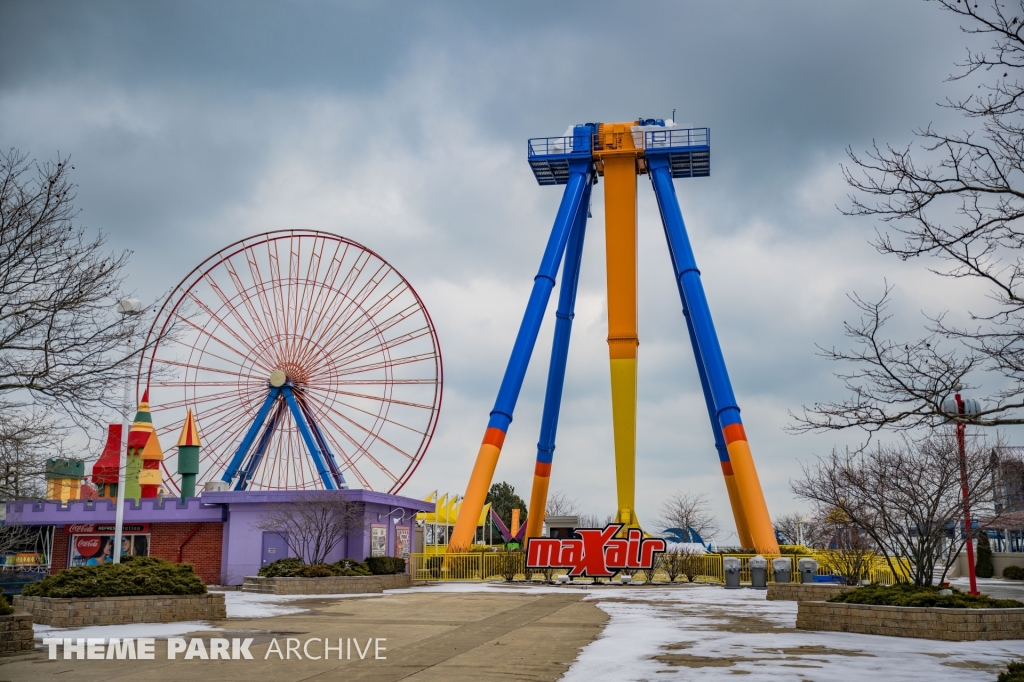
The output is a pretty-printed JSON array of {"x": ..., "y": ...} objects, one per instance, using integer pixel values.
[
  {"x": 204, "y": 368},
  {"x": 231, "y": 308},
  {"x": 381, "y": 365},
  {"x": 191, "y": 402},
  {"x": 240, "y": 293},
  {"x": 345, "y": 361},
  {"x": 386, "y": 419},
  {"x": 260, "y": 288},
  {"x": 344, "y": 332},
  {"x": 384, "y": 400},
  {"x": 206, "y": 351},
  {"x": 196, "y": 384},
  {"x": 364, "y": 452},
  {"x": 318, "y": 293},
  {"x": 369, "y": 433},
  {"x": 352, "y": 343},
  {"x": 228, "y": 328},
  {"x": 356, "y": 305}
]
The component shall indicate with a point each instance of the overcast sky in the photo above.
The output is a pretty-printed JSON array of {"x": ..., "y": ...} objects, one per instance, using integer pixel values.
[{"x": 403, "y": 126}]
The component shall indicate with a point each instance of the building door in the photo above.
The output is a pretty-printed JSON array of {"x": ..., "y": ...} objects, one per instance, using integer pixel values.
[{"x": 274, "y": 548}]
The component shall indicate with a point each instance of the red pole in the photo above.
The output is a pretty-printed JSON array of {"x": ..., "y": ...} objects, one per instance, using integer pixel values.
[{"x": 960, "y": 428}]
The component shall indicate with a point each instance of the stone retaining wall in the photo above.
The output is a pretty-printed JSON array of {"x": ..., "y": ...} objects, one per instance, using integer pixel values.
[
  {"x": 805, "y": 591},
  {"x": 16, "y": 633},
  {"x": 331, "y": 585},
  {"x": 63, "y": 613},
  {"x": 912, "y": 621}
]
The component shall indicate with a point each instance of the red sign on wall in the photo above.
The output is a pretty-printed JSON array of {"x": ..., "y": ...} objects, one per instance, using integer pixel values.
[
  {"x": 597, "y": 553},
  {"x": 91, "y": 528},
  {"x": 87, "y": 545}
]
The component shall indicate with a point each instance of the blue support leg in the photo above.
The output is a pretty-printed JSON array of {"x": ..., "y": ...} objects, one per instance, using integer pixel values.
[
  {"x": 754, "y": 509},
  {"x": 556, "y": 372},
  {"x": 250, "y": 436},
  {"x": 307, "y": 437},
  {"x": 252, "y": 464},
  {"x": 325, "y": 447},
  {"x": 580, "y": 177}
]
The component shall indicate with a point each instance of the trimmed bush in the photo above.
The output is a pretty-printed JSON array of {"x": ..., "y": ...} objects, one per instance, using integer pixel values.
[
  {"x": 134, "y": 576},
  {"x": 983, "y": 565},
  {"x": 386, "y": 565},
  {"x": 347, "y": 567},
  {"x": 1013, "y": 573},
  {"x": 318, "y": 571},
  {"x": 291, "y": 567},
  {"x": 5, "y": 606},
  {"x": 913, "y": 595},
  {"x": 1014, "y": 672}
]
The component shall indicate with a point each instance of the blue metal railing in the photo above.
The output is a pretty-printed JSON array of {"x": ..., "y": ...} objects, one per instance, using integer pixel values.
[
  {"x": 558, "y": 146},
  {"x": 677, "y": 137}
]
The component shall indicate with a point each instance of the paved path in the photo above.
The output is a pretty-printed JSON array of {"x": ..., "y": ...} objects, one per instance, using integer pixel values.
[{"x": 430, "y": 636}]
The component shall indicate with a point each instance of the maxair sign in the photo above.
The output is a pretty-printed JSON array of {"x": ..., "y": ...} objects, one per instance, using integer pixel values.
[{"x": 597, "y": 553}]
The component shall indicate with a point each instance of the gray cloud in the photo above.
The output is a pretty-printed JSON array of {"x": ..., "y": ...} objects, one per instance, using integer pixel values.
[{"x": 403, "y": 126}]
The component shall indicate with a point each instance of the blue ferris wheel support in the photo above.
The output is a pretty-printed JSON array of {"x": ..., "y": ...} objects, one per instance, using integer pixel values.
[{"x": 281, "y": 399}]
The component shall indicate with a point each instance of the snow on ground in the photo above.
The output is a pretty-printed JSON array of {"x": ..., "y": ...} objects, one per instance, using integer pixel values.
[
  {"x": 703, "y": 632},
  {"x": 252, "y": 605},
  {"x": 154, "y": 630}
]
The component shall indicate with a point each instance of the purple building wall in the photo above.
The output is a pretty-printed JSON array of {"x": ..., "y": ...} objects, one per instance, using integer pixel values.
[{"x": 241, "y": 512}]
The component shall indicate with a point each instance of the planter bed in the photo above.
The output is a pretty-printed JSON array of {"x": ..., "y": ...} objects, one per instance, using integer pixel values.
[
  {"x": 16, "y": 633},
  {"x": 327, "y": 585},
  {"x": 912, "y": 621},
  {"x": 805, "y": 592},
  {"x": 64, "y": 613}
]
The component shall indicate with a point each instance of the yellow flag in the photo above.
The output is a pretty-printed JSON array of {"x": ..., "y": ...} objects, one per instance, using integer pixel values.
[{"x": 484, "y": 514}]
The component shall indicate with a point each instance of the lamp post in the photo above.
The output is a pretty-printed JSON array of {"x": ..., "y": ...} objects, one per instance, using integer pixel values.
[
  {"x": 965, "y": 407},
  {"x": 125, "y": 307}
]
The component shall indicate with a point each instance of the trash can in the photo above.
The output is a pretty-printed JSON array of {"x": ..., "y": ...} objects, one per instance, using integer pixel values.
[
  {"x": 759, "y": 573},
  {"x": 808, "y": 568},
  {"x": 781, "y": 567},
  {"x": 732, "y": 572}
]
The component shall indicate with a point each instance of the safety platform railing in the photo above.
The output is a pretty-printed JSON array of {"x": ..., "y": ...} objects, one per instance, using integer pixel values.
[
  {"x": 670, "y": 138},
  {"x": 697, "y": 568},
  {"x": 558, "y": 146}
]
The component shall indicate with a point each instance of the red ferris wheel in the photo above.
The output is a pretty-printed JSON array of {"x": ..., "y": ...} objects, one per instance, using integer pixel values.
[{"x": 309, "y": 362}]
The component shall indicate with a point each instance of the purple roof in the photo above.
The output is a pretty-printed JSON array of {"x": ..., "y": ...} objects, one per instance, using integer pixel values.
[{"x": 211, "y": 506}]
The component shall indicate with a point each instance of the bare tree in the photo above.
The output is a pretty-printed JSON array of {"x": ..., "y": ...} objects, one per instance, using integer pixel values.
[
  {"x": 957, "y": 199},
  {"x": 680, "y": 561},
  {"x": 315, "y": 524},
  {"x": 559, "y": 504},
  {"x": 590, "y": 521},
  {"x": 798, "y": 528},
  {"x": 27, "y": 439},
  {"x": 904, "y": 496},
  {"x": 61, "y": 343},
  {"x": 689, "y": 510}
]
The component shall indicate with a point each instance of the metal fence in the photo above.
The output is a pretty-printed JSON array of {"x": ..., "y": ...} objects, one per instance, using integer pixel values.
[{"x": 704, "y": 568}]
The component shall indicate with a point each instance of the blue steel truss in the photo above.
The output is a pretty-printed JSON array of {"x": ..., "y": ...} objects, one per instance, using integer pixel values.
[{"x": 281, "y": 399}]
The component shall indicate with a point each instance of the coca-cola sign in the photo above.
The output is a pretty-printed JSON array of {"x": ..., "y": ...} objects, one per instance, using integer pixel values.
[
  {"x": 92, "y": 528},
  {"x": 87, "y": 545}
]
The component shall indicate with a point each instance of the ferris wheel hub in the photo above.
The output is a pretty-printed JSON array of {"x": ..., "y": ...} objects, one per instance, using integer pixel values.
[{"x": 277, "y": 378}]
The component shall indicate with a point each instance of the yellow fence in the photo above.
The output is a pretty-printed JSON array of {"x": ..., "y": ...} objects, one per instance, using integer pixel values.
[{"x": 705, "y": 568}]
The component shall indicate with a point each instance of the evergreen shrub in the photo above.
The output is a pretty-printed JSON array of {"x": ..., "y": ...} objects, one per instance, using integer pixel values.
[
  {"x": 914, "y": 595},
  {"x": 386, "y": 565},
  {"x": 1014, "y": 672},
  {"x": 134, "y": 576},
  {"x": 983, "y": 567}
]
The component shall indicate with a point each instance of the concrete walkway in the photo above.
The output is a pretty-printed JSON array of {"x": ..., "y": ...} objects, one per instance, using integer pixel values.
[{"x": 429, "y": 636}]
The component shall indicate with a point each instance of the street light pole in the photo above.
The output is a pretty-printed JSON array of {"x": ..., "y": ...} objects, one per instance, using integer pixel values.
[
  {"x": 961, "y": 446},
  {"x": 125, "y": 307}
]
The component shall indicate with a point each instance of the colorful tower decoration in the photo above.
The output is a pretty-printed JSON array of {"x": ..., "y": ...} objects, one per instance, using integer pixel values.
[
  {"x": 104, "y": 471},
  {"x": 142, "y": 473},
  {"x": 64, "y": 478},
  {"x": 188, "y": 457}
]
